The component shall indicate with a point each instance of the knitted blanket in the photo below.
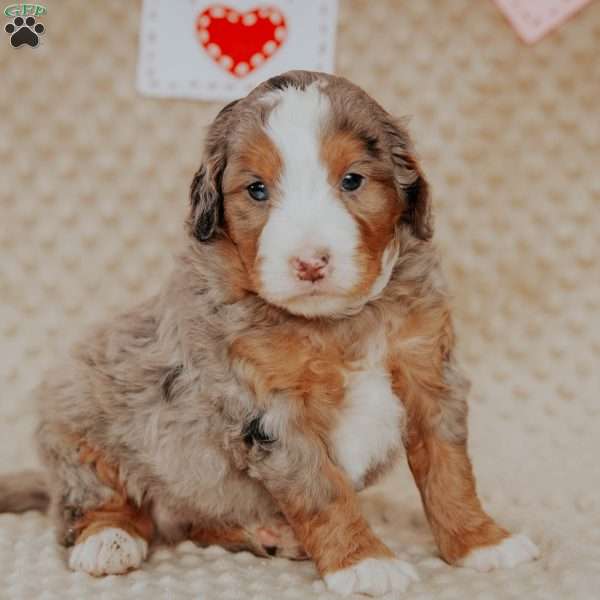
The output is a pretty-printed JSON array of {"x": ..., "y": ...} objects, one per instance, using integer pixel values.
[{"x": 93, "y": 192}]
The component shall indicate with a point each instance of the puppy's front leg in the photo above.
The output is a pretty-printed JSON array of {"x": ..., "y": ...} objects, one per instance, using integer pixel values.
[
  {"x": 320, "y": 504},
  {"x": 437, "y": 455}
]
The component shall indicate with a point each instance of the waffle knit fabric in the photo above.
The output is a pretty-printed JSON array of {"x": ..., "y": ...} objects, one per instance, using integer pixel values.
[{"x": 93, "y": 192}]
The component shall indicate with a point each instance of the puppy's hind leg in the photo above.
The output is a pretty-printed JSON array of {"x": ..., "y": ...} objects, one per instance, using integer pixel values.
[
  {"x": 231, "y": 537},
  {"x": 273, "y": 539},
  {"x": 108, "y": 531}
]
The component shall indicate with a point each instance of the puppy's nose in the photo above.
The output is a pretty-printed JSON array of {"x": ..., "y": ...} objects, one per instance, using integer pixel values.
[{"x": 311, "y": 269}]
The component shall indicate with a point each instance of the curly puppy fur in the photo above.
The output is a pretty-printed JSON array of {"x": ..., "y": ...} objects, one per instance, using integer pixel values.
[{"x": 301, "y": 341}]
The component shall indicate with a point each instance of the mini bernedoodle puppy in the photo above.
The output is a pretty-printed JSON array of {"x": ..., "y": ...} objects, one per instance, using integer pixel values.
[{"x": 303, "y": 339}]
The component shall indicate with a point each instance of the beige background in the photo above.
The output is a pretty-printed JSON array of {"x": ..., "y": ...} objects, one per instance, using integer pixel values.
[{"x": 93, "y": 190}]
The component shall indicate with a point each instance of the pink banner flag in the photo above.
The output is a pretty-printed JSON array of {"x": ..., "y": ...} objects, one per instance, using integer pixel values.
[{"x": 533, "y": 19}]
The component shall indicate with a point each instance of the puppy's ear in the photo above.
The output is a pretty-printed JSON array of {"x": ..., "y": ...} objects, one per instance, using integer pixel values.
[
  {"x": 418, "y": 205},
  {"x": 206, "y": 195},
  {"x": 206, "y": 200},
  {"x": 410, "y": 182}
]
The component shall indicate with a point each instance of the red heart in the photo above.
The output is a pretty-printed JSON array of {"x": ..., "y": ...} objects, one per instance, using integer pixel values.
[{"x": 240, "y": 42}]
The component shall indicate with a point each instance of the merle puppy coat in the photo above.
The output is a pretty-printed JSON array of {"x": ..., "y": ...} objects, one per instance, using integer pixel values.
[{"x": 302, "y": 343}]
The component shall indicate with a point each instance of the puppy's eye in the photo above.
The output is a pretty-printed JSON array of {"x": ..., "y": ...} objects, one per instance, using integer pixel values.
[
  {"x": 258, "y": 191},
  {"x": 351, "y": 182}
]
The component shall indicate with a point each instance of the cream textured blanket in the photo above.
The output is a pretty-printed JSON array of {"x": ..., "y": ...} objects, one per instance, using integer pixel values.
[{"x": 93, "y": 191}]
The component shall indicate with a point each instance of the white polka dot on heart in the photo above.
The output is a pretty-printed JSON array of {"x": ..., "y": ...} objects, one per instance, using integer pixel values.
[
  {"x": 226, "y": 61},
  {"x": 217, "y": 12},
  {"x": 242, "y": 68},
  {"x": 214, "y": 50},
  {"x": 269, "y": 47}
]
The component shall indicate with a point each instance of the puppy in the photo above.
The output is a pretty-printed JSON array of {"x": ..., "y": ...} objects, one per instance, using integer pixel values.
[{"x": 303, "y": 340}]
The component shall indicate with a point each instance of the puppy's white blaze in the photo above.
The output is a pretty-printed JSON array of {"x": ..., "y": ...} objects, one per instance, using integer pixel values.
[
  {"x": 308, "y": 217},
  {"x": 372, "y": 576},
  {"x": 111, "y": 551},
  {"x": 509, "y": 553},
  {"x": 370, "y": 421}
]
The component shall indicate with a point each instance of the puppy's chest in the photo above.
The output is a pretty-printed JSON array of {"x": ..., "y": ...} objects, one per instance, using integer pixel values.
[
  {"x": 346, "y": 396},
  {"x": 368, "y": 427}
]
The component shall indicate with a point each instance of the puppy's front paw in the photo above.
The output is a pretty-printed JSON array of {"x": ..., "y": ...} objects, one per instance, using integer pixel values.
[
  {"x": 372, "y": 576},
  {"x": 111, "y": 551},
  {"x": 510, "y": 552}
]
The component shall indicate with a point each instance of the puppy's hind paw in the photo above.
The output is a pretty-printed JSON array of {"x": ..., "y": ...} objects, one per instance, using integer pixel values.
[
  {"x": 279, "y": 540},
  {"x": 509, "y": 553},
  {"x": 111, "y": 551},
  {"x": 372, "y": 576}
]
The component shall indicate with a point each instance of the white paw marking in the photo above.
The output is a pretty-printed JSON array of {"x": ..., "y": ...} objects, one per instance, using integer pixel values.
[
  {"x": 372, "y": 576},
  {"x": 111, "y": 551},
  {"x": 510, "y": 552}
]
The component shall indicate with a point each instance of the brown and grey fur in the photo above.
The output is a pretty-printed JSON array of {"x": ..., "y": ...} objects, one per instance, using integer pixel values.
[{"x": 148, "y": 421}]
